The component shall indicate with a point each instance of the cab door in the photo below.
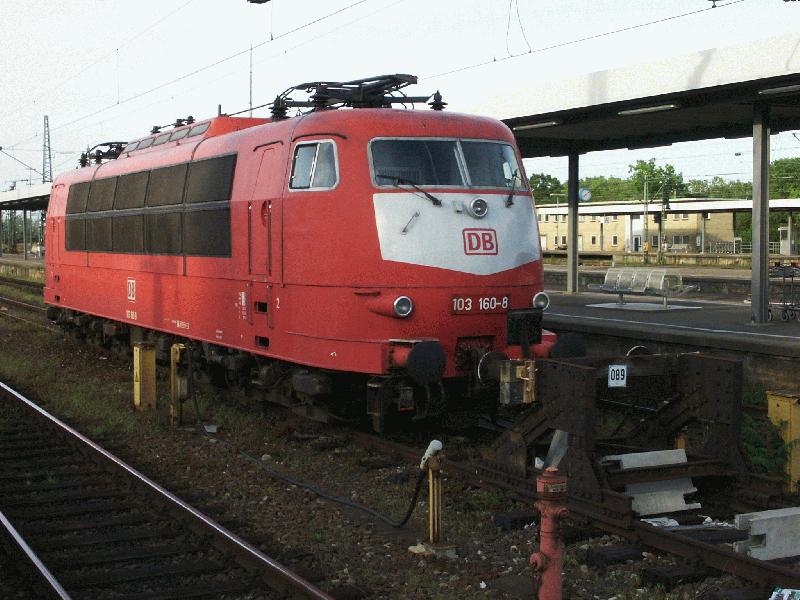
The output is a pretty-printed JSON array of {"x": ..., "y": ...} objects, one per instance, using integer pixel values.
[{"x": 264, "y": 215}]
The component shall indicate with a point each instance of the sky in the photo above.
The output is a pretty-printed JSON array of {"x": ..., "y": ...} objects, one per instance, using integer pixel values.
[{"x": 108, "y": 70}]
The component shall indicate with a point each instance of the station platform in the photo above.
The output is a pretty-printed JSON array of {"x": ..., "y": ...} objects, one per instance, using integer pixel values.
[
  {"x": 770, "y": 352},
  {"x": 713, "y": 282},
  {"x": 15, "y": 265}
]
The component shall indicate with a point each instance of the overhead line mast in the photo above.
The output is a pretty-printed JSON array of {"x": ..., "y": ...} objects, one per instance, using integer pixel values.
[{"x": 47, "y": 155}]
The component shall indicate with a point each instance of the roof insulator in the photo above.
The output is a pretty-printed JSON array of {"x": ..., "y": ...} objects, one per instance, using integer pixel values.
[
  {"x": 179, "y": 122},
  {"x": 279, "y": 110},
  {"x": 436, "y": 103},
  {"x": 156, "y": 129},
  {"x": 189, "y": 120}
]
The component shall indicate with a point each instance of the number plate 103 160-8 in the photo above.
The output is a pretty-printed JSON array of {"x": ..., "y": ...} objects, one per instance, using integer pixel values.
[{"x": 467, "y": 305}]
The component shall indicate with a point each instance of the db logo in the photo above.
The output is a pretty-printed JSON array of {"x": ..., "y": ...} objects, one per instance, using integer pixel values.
[
  {"x": 132, "y": 290},
  {"x": 480, "y": 241}
]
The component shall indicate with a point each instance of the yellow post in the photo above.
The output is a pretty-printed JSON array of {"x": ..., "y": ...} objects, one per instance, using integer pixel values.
[
  {"x": 178, "y": 384},
  {"x": 784, "y": 412},
  {"x": 434, "y": 501},
  {"x": 144, "y": 376}
]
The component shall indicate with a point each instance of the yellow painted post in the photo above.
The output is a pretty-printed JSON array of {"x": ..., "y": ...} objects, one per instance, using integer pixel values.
[
  {"x": 144, "y": 376},
  {"x": 784, "y": 412},
  {"x": 434, "y": 501},
  {"x": 178, "y": 384}
]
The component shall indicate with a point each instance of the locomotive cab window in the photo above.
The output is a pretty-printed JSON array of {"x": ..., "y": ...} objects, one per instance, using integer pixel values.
[
  {"x": 445, "y": 163},
  {"x": 492, "y": 165},
  {"x": 314, "y": 166}
]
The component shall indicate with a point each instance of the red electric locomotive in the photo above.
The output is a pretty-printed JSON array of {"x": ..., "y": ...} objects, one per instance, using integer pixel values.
[{"x": 366, "y": 258}]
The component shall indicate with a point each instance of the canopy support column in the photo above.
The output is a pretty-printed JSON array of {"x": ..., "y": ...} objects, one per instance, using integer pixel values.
[
  {"x": 572, "y": 225},
  {"x": 760, "y": 228},
  {"x": 25, "y": 233}
]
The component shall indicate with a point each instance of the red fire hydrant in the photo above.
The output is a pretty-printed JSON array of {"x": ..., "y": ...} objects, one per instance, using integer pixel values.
[{"x": 548, "y": 561}]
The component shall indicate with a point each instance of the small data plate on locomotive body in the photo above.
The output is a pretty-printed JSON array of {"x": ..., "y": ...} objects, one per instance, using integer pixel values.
[{"x": 617, "y": 376}]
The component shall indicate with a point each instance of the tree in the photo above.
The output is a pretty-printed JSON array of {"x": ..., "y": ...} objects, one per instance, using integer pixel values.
[
  {"x": 543, "y": 186},
  {"x": 656, "y": 177}
]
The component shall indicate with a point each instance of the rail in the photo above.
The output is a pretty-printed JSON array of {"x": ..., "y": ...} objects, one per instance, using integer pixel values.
[
  {"x": 46, "y": 582},
  {"x": 274, "y": 574},
  {"x": 717, "y": 557}
]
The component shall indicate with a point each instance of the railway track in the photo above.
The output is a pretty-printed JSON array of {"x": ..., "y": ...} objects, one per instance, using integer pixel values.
[
  {"x": 715, "y": 556},
  {"x": 104, "y": 530},
  {"x": 21, "y": 283}
]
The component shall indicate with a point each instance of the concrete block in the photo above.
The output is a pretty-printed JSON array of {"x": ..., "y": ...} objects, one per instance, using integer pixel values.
[
  {"x": 773, "y": 533},
  {"x": 656, "y": 497}
]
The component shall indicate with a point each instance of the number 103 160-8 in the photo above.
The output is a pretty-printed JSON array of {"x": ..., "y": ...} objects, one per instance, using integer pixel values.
[{"x": 466, "y": 304}]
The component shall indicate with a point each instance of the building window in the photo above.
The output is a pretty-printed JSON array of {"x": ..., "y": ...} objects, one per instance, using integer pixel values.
[
  {"x": 614, "y": 240},
  {"x": 539, "y": 217},
  {"x": 581, "y": 218},
  {"x": 555, "y": 241},
  {"x": 654, "y": 241},
  {"x": 707, "y": 216},
  {"x": 594, "y": 218},
  {"x": 546, "y": 218},
  {"x": 563, "y": 240},
  {"x": 684, "y": 216},
  {"x": 563, "y": 218},
  {"x": 594, "y": 240},
  {"x": 614, "y": 217},
  {"x": 635, "y": 217}
]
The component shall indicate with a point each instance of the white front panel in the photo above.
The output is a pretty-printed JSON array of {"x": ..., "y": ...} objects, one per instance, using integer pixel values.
[{"x": 412, "y": 230}]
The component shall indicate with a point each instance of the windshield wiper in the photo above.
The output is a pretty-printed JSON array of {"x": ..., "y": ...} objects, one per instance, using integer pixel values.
[
  {"x": 510, "y": 199},
  {"x": 398, "y": 181}
]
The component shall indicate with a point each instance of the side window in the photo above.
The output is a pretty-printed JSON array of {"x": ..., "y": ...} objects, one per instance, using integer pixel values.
[
  {"x": 163, "y": 232},
  {"x": 166, "y": 186},
  {"x": 76, "y": 200},
  {"x": 206, "y": 219},
  {"x": 101, "y": 195},
  {"x": 75, "y": 222},
  {"x": 131, "y": 190},
  {"x": 314, "y": 166},
  {"x": 210, "y": 180}
]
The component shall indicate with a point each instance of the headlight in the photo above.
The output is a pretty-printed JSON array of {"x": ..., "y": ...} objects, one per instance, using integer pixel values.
[
  {"x": 478, "y": 208},
  {"x": 541, "y": 300},
  {"x": 403, "y": 305}
]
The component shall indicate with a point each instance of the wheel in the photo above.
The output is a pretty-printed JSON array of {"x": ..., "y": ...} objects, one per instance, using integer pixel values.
[
  {"x": 769, "y": 314},
  {"x": 784, "y": 315},
  {"x": 791, "y": 314}
]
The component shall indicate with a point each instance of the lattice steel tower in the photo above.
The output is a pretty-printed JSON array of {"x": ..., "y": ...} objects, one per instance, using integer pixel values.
[{"x": 47, "y": 157}]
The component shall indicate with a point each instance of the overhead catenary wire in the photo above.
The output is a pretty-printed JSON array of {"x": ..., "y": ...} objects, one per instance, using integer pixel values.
[
  {"x": 97, "y": 61},
  {"x": 282, "y": 53},
  {"x": 203, "y": 68},
  {"x": 587, "y": 38}
]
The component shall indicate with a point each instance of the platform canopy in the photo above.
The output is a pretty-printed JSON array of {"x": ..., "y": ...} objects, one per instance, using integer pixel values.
[
  {"x": 31, "y": 197},
  {"x": 748, "y": 90},
  {"x": 708, "y": 94}
]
